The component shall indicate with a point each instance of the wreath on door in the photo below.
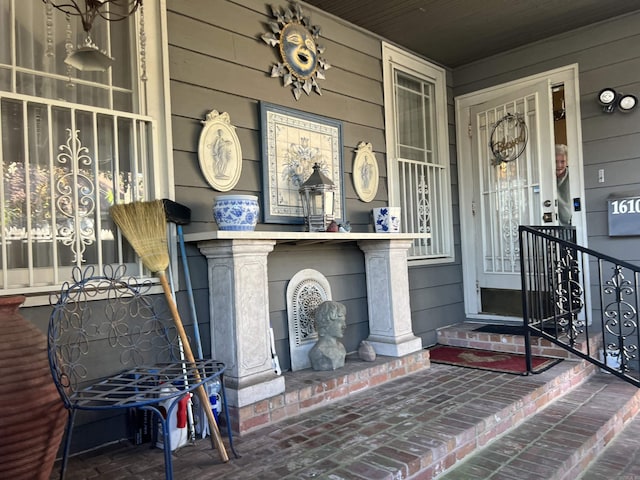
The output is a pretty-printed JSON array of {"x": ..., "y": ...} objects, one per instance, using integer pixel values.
[{"x": 508, "y": 138}]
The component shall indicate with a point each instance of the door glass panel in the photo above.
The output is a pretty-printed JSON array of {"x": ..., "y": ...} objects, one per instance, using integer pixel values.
[
  {"x": 509, "y": 190},
  {"x": 514, "y": 167}
]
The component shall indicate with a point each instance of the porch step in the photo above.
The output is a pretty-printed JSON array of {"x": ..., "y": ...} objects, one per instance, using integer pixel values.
[
  {"x": 620, "y": 458},
  {"x": 465, "y": 335},
  {"x": 309, "y": 389},
  {"x": 559, "y": 441},
  {"x": 414, "y": 427},
  {"x": 504, "y": 403}
]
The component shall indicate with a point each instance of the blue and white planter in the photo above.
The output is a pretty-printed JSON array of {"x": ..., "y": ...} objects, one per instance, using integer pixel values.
[
  {"x": 386, "y": 219},
  {"x": 236, "y": 212}
]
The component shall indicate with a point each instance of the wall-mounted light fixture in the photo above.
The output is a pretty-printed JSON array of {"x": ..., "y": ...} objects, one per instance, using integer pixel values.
[
  {"x": 610, "y": 99},
  {"x": 89, "y": 57}
]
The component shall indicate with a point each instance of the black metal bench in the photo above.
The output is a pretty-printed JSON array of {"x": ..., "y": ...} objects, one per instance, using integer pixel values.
[{"x": 110, "y": 348}]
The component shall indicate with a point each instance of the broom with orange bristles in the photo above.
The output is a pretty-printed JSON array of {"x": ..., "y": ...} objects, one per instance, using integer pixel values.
[{"x": 144, "y": 225}]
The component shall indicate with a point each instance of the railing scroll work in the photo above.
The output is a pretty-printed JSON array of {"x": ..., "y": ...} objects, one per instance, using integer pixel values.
[{"x": 554, "y": 291}]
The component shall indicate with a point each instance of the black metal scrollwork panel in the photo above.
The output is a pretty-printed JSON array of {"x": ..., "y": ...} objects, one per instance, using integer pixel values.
[
  {"x": 620, "y": 318},
  {"x": 569, "y": 294}
]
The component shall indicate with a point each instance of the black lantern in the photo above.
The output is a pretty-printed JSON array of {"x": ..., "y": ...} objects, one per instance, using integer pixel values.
[{"x": 317, "y": 195}]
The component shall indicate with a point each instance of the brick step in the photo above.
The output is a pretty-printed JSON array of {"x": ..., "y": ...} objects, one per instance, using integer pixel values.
[
  {"x": 620, "y": 457},
  {"x": 416, "y": 426},
  {"x": 308, "y": 389},
  {"x": 500, "y": 404},
  {"x": 559, "y": 441},
  {"x": 465, "y": 335}
]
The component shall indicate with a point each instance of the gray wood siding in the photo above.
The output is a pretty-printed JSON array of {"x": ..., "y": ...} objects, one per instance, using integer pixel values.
[
  {"x": 218, "y": 61},
  {"x": 608, "y": 55}
]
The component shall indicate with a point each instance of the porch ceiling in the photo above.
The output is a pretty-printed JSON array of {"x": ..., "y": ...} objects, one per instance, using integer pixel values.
[{"x": 457, "y": 32}]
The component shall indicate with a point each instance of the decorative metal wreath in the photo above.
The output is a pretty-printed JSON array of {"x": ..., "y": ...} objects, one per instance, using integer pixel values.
[{"x": 514, "y": 138}]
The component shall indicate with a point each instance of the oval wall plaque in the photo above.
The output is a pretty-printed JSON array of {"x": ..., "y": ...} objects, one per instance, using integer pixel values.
[
  {"x": 219, "y": 152},
  {"x": 365, "y": 172}
]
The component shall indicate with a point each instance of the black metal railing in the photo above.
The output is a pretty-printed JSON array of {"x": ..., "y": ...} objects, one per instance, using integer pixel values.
[{"x": 556, "y": 285}]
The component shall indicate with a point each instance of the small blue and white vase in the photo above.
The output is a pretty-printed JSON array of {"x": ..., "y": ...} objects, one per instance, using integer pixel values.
[
  {"x": 386, "y": 219},
  {"x": 236, "y": 212}
]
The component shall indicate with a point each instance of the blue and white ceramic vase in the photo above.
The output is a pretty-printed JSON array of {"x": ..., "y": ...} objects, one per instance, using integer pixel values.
[
  {"x": 386, "y": 219},
  {"x": 236, "y": 212}
]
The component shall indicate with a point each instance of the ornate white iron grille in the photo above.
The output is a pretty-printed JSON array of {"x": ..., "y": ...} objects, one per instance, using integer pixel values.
[{"x": 62, "y": 168}]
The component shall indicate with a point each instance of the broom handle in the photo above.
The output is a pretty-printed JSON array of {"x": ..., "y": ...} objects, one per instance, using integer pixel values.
[{"x": 216, "y": 438}]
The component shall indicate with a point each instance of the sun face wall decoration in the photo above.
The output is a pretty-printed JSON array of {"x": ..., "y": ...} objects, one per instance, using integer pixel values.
[{"x": 301, "y": 62}]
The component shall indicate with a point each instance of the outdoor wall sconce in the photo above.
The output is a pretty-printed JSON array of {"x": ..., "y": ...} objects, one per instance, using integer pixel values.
[
  {"x": 610, "y": 99},
  {"x": 317, "y": 195},
  {"x": 89, "y": 57}
]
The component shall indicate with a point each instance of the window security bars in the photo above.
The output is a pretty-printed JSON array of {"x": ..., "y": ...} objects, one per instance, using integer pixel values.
[
  {"x": 554, "y": 283},
  {"x": 62, "y": 167},
  {"x": 422, "y": 209}
]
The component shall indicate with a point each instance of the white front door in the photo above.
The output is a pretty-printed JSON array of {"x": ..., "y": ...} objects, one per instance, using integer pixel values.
[
  {"x": 507, "y": 178},
  {"x": 513, "y": 165}
]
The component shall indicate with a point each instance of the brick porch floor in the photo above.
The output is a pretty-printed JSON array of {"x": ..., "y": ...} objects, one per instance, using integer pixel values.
[{"x": 417, "y": 426}]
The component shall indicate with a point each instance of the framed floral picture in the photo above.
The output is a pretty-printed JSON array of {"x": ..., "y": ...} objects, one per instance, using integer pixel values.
[{"x": 292, "y": 142}]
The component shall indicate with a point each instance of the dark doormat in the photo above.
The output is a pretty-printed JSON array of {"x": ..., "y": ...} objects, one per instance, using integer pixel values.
[{"x": 514, "y": 363}]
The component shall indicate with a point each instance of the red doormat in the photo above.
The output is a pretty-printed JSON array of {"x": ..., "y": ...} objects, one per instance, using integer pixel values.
[{"x": 487, "y": 360}]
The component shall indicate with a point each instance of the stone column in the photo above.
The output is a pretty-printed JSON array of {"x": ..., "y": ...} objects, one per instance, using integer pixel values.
[
  {"x": 239, "y": 312},
  {"x": 386, "y": 268}
]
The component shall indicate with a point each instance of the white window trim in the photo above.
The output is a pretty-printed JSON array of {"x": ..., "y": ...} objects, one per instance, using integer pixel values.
[
  {"x": 157, "y": 91},
  {"x": 394, "y": 58},
  {"x": 158, "y": 88}
]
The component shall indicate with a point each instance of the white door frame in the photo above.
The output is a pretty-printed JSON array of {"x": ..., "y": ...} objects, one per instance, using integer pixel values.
[{"x": 568, "y": 76}]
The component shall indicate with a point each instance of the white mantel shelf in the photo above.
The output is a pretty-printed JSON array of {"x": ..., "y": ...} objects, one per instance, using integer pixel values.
[
  {"x": 297, "y": 237},
  {"x": 239, "y": 301}
]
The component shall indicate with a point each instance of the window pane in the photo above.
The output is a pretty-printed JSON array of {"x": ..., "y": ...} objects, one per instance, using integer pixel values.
[
  {"x": 61, "y": 179},
  {"x": 410, "y": 124},
  {"x": 415, "y": 116},
  {"x": 122, "y": 101},
  {"x": 429, "y": 126},
  {"x": 121, "y": 50},
  {"x": 30, "y": 25},
  {"x": 87, "y": 95},
  {"x": 14, "y": 179},
  {"x": 5, "y": 79},
  {"x": 5, "y": 32},
  {"x": 408, "y": 83},
  {"x": 105, "y": 227}
]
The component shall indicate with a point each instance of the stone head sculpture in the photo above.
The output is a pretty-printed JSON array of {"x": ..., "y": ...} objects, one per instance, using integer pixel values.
[{"x": 329, "y": 353}]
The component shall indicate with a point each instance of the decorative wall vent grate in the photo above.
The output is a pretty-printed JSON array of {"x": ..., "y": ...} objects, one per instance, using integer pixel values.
[{"x": 306, "y": 290}]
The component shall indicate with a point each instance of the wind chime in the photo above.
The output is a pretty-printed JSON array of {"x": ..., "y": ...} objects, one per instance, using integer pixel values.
[{"x": 88, "y": 57}]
